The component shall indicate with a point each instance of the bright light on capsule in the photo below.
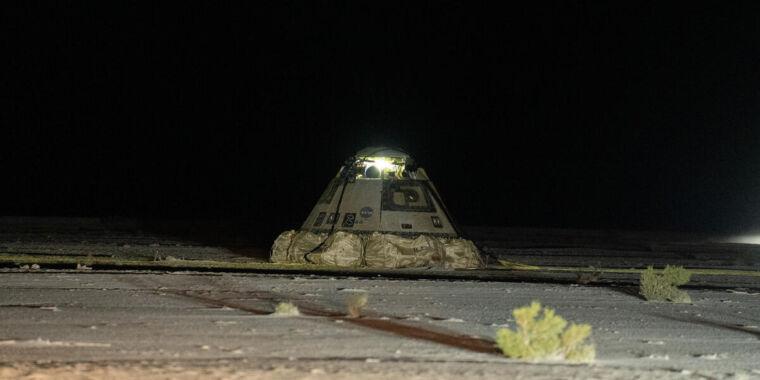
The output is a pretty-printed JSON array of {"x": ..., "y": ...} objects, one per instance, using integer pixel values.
[
  {"x": 376, "y": 166},
  {"x": 383, "y": 164}
]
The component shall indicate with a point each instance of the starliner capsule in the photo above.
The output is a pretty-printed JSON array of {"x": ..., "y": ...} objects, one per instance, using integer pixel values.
[{"x": 380, "y": 210}]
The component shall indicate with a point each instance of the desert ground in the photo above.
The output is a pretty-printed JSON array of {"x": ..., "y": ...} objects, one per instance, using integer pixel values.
[{"x": 90, "y": 298}]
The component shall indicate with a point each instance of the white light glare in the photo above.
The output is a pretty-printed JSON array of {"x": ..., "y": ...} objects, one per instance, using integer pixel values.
[
  {"x": 744, "y": 239},
  {"x": 383, "y": 165}
]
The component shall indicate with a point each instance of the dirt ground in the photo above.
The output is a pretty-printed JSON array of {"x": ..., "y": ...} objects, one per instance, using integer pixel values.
[
  {"x": 327, "y": 370},
  {"x": 167, "y": 300},
  {"x": 194, "y": 325}
]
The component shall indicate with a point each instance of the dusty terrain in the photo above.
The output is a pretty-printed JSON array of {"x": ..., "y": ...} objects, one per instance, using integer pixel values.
[
  {"x": 112, "y": 323},
  {"x": 156, "y": 302}
]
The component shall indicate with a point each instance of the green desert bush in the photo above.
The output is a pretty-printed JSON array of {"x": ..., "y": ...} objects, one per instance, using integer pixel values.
[
  {"x": 664, "y": 286},
  {"x": 286, "y": 309},
  {"x": 545, "y": 338}
]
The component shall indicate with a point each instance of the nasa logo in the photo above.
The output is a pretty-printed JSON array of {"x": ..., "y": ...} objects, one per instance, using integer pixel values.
[{"x": 366, "y": 212}]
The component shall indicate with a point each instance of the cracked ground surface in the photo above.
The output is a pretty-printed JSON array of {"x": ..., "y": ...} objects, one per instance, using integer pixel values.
[{"x": 191, "y": 325}]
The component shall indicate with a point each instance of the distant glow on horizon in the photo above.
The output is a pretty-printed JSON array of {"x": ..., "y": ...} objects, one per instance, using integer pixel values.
[{"x": 745, "y": 239}]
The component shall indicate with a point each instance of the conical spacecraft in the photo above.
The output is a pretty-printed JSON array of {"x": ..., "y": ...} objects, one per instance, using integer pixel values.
[{"x": 380, "y": 210}]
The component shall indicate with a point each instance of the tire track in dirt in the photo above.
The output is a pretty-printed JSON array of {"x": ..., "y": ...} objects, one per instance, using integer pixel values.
[{"x": 387, "y": 324}]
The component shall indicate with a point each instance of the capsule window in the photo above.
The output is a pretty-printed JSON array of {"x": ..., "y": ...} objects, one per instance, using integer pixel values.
[{"x": 406, "y": 195}]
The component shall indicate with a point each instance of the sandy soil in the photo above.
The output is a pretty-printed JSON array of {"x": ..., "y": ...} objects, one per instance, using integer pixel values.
[
  {"x": 328, "y": 370},
  {"x": 189, "y": 325},
  {"x": 61, "y": 324}
]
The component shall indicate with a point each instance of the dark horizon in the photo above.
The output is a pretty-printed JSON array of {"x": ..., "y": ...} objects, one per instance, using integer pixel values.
[{"x": 574, "y": 115}]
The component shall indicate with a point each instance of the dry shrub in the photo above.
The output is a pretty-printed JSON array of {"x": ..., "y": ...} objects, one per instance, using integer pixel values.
[
  {"x": 545, "y": 338},
  {"x": 286, "y": 309},
  {"x": 664, "y": 286}
]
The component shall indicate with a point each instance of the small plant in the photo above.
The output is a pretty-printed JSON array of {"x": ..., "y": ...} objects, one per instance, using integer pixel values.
[
  {"x": 355, "y": 303},
  {"x": 286, "y": 309},
  {"x": 545, "y": 338},
  {"x": 585, "y": 278},
  {"x": 664, "y": 286}
]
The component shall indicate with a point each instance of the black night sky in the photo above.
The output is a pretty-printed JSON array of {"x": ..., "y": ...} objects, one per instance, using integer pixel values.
[{"x": 581, "y": 114}]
